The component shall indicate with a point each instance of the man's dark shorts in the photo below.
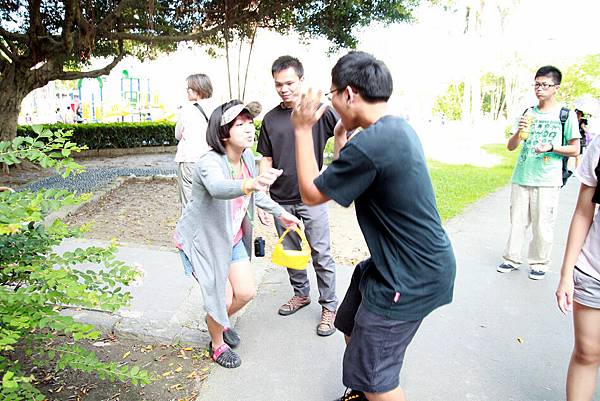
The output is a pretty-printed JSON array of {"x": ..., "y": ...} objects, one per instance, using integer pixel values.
[{"x": 375, "y": 353}]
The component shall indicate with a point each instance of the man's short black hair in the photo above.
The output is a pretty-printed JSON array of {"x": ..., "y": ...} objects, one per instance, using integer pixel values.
[
  {"x": 550, "y": 71},
  {"x": 364, "y": 73},
  {"x": 215, "y": 132},
  {"x": 285, "y": 62}
]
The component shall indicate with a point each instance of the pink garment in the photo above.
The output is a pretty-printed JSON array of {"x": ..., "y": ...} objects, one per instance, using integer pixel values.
[
  {"x": 176, "y": 241},
  {"x": 239, "y": 206}
]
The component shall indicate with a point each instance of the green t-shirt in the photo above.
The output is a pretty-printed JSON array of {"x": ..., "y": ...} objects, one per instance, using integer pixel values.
[{"x": 543, "y": 169}]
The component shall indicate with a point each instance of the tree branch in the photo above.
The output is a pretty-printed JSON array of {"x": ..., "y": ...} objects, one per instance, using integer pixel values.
[
  {"x": 67, "y": 34},
  {"x": 5, "y": 51},
  {"x": 166, "y": 39},
  {"x": 69, "y": 75},
  {"x": 9, "y": 36},
  {"x": 111, "y": 19}
]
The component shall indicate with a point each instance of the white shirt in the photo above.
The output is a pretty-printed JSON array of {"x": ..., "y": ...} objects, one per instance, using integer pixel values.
[
  {"x": 588, "y": 260},
  {"x": 190, "y": 130}
]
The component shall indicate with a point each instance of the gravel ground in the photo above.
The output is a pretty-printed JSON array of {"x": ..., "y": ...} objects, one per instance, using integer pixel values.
[{"x": 94, "y": 178}]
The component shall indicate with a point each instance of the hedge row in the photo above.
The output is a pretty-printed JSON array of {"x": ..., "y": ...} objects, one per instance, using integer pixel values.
[
  {"x": 114, "y": 135},
  {"x": 118, "y": 135}
]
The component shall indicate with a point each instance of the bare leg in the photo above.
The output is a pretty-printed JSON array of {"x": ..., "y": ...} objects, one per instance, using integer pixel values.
[
  {"x": 583, "y": 368},
  {"x": 216, "y": 332},
  {"x": 241, "y": 278},
  {"x": 395, "y": 395}
]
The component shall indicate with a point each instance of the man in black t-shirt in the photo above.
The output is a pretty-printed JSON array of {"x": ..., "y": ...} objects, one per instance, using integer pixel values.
[
  {"x": 382, "y": 170},
  {"x": 276, "y": 144}
]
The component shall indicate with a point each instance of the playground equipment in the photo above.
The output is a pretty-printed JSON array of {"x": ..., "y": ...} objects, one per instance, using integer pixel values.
[{"x": 140, "y": 99}]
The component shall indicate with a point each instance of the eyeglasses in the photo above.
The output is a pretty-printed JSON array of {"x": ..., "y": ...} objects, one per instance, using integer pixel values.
[
  {"x": 329, "y": 95},
  {"x": 543, "y": 85}
]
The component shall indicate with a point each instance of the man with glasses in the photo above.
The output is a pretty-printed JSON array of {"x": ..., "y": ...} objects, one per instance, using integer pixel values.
[
  {"x": 411, "y": 268},
  {"x": 537, "y": 177},
  {"x": 276, "y": 144}
]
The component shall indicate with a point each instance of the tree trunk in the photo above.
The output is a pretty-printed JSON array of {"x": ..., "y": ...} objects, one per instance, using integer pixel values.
[
  {"x": 466, "y": 101},
  {"x": 476, "y": 96},
  {"x": 15, "y": 84},
  {"x": 9, "y": 113}
]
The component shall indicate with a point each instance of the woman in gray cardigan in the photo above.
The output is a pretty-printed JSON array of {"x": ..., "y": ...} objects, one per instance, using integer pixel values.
[{"x": 215, "y": 231}]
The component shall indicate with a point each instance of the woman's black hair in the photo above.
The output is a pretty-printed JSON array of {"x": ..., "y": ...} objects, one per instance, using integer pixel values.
[{"x": 215, "y": 133}]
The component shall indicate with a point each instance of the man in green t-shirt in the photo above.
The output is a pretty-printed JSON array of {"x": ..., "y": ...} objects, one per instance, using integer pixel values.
[{"x": 537, "y": 177}]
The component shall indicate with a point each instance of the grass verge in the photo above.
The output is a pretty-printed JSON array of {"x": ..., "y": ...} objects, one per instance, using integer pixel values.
[{"x": 457, "y": 186}]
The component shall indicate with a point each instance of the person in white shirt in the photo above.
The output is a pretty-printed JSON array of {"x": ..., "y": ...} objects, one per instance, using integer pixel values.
[
  {"x": 190, "y": 131},
  {"x": 579, "y": 286}
]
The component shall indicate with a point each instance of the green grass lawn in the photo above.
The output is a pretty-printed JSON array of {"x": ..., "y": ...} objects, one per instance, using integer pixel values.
[{"x": 457, "y": 186}]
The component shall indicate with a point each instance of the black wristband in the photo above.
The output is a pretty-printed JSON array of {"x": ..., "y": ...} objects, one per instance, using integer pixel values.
[{"x": 551, "y": 149}]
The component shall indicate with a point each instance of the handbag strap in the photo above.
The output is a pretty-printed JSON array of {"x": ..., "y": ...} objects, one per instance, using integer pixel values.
[
  {"x": 300, "y": 234},
  {"x": 201, "y": 110}
]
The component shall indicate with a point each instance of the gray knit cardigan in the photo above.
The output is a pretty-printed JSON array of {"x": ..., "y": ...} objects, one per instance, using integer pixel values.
[{"x": 205, "y": 229}]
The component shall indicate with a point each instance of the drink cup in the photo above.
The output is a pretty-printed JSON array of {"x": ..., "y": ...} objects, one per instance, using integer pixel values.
[{"x": 524, "y": 133}]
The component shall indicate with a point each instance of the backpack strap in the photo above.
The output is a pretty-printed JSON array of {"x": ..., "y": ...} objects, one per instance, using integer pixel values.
[
  {"x": 564, "y": 116},
  {"x": 566, "y": 173}
]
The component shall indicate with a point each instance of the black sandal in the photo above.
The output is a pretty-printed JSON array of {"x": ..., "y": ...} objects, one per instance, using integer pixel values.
[
  {"x": 231, "y": 337},
  {"x": 224, "y": 356}
]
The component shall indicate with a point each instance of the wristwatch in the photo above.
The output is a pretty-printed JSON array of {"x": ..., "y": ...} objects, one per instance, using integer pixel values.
[{"x": 551, "y": 149}]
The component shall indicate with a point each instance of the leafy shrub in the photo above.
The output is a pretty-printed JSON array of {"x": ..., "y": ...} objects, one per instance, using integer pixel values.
[
  {"x": 113, "y": 135},
  {"x": 449, "y": 102},
  {"x": 36, "y": 282}
]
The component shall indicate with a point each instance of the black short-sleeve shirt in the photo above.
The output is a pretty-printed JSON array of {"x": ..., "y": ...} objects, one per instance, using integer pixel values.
[
  {"x": 277, "y": 140},
  {"x": 412, "y": 267}
]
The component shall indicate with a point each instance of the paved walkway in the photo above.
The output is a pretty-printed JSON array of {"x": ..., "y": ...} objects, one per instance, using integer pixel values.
[{"x": 501, "y": 339}]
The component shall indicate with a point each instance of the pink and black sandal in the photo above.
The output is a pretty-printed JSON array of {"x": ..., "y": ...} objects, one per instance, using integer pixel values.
[
  {"x": 231, "y": 337},
  {"x": 224, "y": 356}
]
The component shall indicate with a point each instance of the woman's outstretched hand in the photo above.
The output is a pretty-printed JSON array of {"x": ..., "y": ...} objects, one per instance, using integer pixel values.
[{"x": 266, "y": 178}]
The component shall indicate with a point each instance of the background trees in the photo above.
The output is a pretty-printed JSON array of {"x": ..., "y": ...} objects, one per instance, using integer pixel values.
[{"x": 45, "y": 40}]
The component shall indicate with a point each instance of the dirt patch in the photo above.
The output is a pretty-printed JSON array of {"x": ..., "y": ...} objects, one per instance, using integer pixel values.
[
  {"x": 138, "y": 211},
  {"x": 177, "y": 372},
  {"x": 145, "y": 212}
]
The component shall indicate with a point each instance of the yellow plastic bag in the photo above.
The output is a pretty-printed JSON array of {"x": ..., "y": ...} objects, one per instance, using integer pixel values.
[{"x": 291, "y": 258}]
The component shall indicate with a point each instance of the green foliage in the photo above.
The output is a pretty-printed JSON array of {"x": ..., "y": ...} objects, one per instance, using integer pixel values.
[
  {"x": 450, "y": 102},
  {"x": 581, "y": 79},
  {"x": 114, "y": 135},
  {"x": 457, "y": 186},
  {"x": 36, "y": 282},
  {"x": 44, "y": 147},
  {"x": 493, "y": 93}
]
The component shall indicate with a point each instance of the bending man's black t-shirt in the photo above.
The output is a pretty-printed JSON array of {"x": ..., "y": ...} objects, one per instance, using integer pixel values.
[
  {"x": 412, "y": 266},
  {"x": 277, "y": 140}
]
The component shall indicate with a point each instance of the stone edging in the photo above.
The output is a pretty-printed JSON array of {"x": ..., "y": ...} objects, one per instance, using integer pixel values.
[{"x": 113, "y": 152}]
